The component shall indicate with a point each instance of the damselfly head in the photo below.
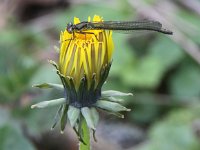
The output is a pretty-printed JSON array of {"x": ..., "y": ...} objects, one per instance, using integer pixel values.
[{"x": 70, "y": 27}]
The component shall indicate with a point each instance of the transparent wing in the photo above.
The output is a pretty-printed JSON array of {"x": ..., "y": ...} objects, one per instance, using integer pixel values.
[{"x": 129, "y": 26}]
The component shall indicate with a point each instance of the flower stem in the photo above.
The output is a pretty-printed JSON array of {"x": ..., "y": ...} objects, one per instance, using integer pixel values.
[{"x": 86, "y": 136}]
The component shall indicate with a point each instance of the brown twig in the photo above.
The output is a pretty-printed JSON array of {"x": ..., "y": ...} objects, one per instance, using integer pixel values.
[
  {"x": 180, "y": 38},
  {"x": 193, "y": 5}
]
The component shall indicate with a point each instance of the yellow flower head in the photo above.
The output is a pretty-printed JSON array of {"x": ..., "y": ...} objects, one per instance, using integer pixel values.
[{"x": 85, "y": 56}]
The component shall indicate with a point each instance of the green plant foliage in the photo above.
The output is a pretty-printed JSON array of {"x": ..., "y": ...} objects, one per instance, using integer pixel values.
[
  {"x": 146, "y": 110},
  {"x": 147, "y": 72},
  {"x": 175, "y": 131},
  {"x": 11, "y": 138},
  {"x": 16, "y": 63},
  {"x": 15, "y": 75},
  {"x": 11, "y": 135},
  {"x": 185, "y": 82}
]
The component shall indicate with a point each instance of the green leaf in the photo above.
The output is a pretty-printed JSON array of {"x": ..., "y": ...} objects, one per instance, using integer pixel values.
[
  {"x": 146, "y": 108},
  {"x": 144, "y": 73},
  {"x": 73, "y": 115},
  {"x": 147, "y": 71},
  {"x": 38, "y": 121},
  {"x": 175, "y": 131},
  {"x": 166, "y": 52},
  {"x": 14, "y": 80},
  {"x": 12, "y": 139},
  {"x": 185, "y": 82},
  {"x": 4, "y": 115}
]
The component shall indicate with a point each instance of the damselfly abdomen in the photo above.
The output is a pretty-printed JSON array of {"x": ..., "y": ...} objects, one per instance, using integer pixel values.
[{"x": 125, "y": 26}]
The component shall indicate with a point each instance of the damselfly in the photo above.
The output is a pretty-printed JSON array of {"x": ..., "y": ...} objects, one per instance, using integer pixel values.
[{"x": 124, "y": 26}]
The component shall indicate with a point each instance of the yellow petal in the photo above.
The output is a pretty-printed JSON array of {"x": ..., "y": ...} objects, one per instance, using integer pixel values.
[
  {"x": 85, "y": 54},
  {"x": 76, "y": 20}
]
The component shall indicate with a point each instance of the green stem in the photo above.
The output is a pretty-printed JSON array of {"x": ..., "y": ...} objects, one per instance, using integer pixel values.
[{"x": 85, "y": 136}]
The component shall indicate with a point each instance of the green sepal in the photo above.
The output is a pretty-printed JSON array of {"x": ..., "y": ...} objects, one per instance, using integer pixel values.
[
  {"x": 113, "y": 113},
  {"x": 72, "y": 86},
  {"x": 92, "y": 86},
  {"x": 112, "y": 99},
  {"x": 64, "y": 81},
  {"x": 107, "y": 69},
  {"x": 63, "y": 120},
  {"x": 57, "y": 117},
  {"x": 49, "y": 103},
  {"x": 111, "y": 106},
  {"x": 111, "y": 93},
  {"x": 104, "y": 74},
  {"x": 49, "y": 85},
  {"x": 73, "y": 115},
  {"x": 94, "y": 135},
  {"x": 78, "y": 135},
  {"x": 89, "y": 116},
  {"x": 95, "y": 116},
  {"x": 53, "y": 63},
  {"x": 82, "y": 87}
]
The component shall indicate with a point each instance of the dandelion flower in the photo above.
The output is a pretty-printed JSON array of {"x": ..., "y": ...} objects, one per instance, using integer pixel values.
[{"x": 83, "y": 67}]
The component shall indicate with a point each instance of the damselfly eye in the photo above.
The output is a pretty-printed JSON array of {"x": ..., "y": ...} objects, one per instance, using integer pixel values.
[{"x": 70, "y": 27}]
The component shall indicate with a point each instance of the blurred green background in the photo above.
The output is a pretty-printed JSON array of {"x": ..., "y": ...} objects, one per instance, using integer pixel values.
[{"x": 162, "y": 71}]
